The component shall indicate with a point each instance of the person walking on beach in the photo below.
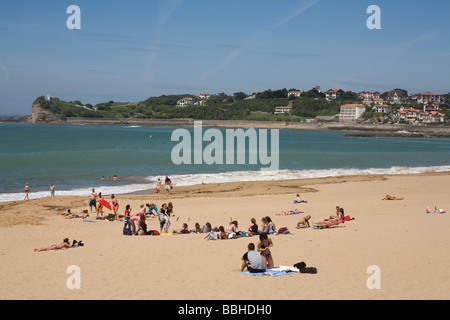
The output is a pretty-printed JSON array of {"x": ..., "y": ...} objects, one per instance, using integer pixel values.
[
  {"x": 52, "y": 190},
  {"x": 168, "y": 185},
  {"x": 158, "y": 186},
  {"x": 163, "y": 218},
  {"x": 27, "y": 192},
  {"x": 93, "y": 200}
]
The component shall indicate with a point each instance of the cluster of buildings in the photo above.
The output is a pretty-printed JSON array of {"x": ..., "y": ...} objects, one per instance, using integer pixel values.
[
  {"x": 386, "y": 105},
  {"x": 189, "y": 101}
]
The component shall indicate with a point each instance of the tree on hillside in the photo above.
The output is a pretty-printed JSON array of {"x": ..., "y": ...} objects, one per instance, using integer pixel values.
[
  {"x": 313, "y": 93},
  {"x": 240, "y": 96}
]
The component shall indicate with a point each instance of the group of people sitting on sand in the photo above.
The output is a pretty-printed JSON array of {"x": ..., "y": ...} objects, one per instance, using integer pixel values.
[
  {"x": 258, "y": 258},
  {"x": 232, "y": 231}
]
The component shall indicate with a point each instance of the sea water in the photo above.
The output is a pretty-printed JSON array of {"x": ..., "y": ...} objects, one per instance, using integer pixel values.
[{"x": 76, "y": 157}]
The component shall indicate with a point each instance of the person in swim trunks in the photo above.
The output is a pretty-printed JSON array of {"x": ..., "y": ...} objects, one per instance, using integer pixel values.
[{"x": 93, "y": 200}]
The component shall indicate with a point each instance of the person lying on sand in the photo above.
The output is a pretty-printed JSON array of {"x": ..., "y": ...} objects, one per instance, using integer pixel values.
[
  {"x": 389, "y": 197},
  {"x": 289, "y": 213},
  {"x": 64, "y": 245},
  {"x": 70, "y": 215},
  {"x": 329, "y": 223}
]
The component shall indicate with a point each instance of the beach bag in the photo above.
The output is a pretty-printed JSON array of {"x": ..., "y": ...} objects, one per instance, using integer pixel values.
[
  {"x": 127, "y": 232},
  {"x": 311, "y": 270},
  {"x": 303, "y": 269},
  {"x": 283, "y": 230},
  {"x": 300, "y": 265}
]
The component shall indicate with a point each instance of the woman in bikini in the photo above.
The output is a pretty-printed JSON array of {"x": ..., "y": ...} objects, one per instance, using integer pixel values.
[
  {"x": 64, "y": 245},
  {"x": 264, "y": 245},
  {"x": 115, "y": 205}
]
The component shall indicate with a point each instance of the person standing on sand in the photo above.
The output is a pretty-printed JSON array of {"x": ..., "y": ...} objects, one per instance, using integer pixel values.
[
  {"x": 168, "y": 185},
  {"x": 27, "y": 192},
  {"x": 158, "y": 186},
  {"x": 264, "y": 245},
  {"x": 115, "y": 205},
  {"x": 93, "y": 200},
  {"x": 52, "y": 190}
]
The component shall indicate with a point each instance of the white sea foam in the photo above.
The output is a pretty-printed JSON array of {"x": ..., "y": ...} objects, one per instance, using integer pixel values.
[{"x": 226, "y": 177}]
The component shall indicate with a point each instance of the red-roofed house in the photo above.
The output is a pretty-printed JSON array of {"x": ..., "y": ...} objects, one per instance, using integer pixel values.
[
  {"x": 428, "y": 97},
  {"x": 204, "y": 96},
  {"x": 333, "y": 94},
  {"x": 185, "y": 102}
]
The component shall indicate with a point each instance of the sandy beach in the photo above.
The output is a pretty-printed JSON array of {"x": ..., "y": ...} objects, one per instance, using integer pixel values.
[{"x": 409, "y": 246}]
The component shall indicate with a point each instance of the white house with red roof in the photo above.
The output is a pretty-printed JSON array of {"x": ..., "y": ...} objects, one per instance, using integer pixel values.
[
  {"x": 428, "y": 97},
  {"x": 333, "y": 94},
  {"x": 187, "y": 101}
]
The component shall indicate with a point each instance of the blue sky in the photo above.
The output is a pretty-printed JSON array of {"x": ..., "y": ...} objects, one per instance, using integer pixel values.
[{"x": 132, "y": 50}]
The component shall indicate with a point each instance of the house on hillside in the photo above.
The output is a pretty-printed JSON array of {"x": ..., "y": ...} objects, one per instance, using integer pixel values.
[
  {"x": 333, "y": 94},
  {"x": 369, "y": 95},
  {"x": 284, "y": 109},
  {"x": 185, "y": 102},
  {"x": 204, "y": 96},
  {"x": 397, "y": 96},
  {"x": 382, "y": 108},
  {"x": 428, "y": 97},
  {"x": 295, "y": 93}
]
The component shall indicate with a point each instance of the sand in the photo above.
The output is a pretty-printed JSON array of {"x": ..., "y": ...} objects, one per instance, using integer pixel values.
[{"x": 409, "y": 247}]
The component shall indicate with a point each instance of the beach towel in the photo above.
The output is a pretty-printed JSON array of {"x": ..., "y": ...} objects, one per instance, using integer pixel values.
[{"x": 275, "y": 272}]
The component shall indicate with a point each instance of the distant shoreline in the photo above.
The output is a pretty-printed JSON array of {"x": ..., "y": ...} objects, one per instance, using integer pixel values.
[{"x": 383, "y": 130}]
